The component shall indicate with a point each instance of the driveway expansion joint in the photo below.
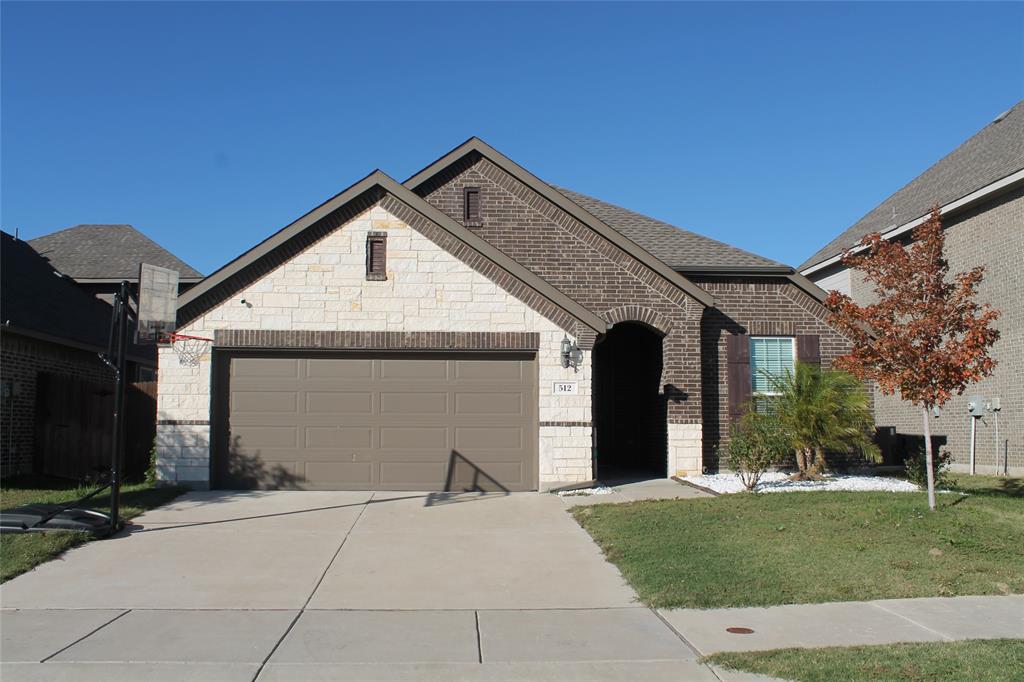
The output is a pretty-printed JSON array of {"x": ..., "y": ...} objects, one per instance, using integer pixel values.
[{"x": 86, "y": 636}]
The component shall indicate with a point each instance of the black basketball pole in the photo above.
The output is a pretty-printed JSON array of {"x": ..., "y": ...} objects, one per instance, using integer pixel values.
[{"x": 120, "y": 360}]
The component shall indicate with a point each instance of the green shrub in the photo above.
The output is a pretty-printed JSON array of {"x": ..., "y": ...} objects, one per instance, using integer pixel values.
[
  {"x": 150, "y": 476},
  {"x": 917, "y": 472},
  {"x": 756, "y": 444}
]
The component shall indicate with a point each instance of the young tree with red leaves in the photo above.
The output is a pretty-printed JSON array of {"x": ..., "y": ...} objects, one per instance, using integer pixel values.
[{"x": 926, "y": 336}]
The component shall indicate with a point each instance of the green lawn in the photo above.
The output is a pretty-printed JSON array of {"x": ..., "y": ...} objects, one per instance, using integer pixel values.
[
  {"x": 807, "y": 547},
  {"x": 989, "y": 660},
  {"x": 20, "y": 553}
]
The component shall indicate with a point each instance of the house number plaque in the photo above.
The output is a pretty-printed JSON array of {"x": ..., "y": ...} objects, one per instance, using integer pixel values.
[{"x": 565, "y": 387}]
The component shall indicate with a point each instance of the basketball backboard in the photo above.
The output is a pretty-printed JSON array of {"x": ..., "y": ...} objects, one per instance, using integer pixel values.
[{"x": 158, "y": 303}]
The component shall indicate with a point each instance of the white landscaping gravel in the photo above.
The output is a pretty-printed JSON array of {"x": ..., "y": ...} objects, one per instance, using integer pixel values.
[
  {"x": 599, "y": 490},
  {"x": 780, "y": 483}
]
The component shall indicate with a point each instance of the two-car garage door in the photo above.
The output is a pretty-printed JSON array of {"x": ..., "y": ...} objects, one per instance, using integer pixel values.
[{"x": 377, "y": 421}]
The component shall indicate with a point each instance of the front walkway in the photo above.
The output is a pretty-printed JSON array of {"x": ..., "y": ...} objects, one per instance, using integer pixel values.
[{"x": 285, "y": 586}]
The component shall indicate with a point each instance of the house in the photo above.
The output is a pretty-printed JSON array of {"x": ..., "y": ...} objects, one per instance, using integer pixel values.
[
  {"x": 55, "y": 318},
  {"x": 980, "y": 189},
  {"x": 475, "y": 327},
  {"x": 99, "y": 257}
]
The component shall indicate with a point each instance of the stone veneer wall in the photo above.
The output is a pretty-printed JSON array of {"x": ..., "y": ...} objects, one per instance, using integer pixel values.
[
  {"x": 992, "y": 235},
  {"x": 768, "y": 307},
  {"x": 594, "y": 272},
  {"x": 325, "y": 289}
]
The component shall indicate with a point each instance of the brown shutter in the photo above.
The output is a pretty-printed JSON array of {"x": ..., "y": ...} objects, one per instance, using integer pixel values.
[
  {"x": 738, "y": 373},
  {"x": 376, "y": 257},
  {"x": 808, "y": 349},
  {"x": 471, "y": 204}
]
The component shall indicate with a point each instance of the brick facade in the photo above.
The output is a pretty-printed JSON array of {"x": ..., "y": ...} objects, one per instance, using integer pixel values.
[
  {"x": 768, "y": 307},
  {"x": 992, "y": 235},
  {"x": 21, "y": 361},
  {"x": 594, "y": 272}
]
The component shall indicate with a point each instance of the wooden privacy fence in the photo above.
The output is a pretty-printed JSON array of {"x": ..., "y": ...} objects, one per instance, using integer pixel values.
[{"x": 75, "y": 421}]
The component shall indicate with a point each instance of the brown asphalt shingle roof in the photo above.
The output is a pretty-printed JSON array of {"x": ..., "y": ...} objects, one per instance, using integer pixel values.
[
  {"x": 678, "y": 248},
  {"x": 106, "y": 252},
  {"x": 34, "y": 297},
  {"x": 995, "y": 152}
]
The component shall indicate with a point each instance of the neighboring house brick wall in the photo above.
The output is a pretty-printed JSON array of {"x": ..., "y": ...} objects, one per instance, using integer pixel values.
[
  {"x": 21, "y": 361},
  {"x": 594, "y": 272},
  {"x": 991, "y": 235},
  {"x": 772, "y": 307},
  {"x": 325, "y": 288}
]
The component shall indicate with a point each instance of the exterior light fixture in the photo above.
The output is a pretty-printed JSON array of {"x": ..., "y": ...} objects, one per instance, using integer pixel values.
[{"x": 572, "y": 356}]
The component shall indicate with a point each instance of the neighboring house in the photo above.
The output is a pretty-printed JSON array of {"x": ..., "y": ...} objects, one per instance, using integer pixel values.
[
  {"x": 54, "y": 322},
  {"x": 410, "y": 336},
  {"x": 100, "y": 257},
  {"x": 48, "y": 326},
  {"x": 980, "y": 188}
]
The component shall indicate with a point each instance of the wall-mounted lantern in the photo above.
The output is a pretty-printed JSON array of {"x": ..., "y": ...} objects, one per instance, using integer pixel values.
[{"x": 572, "y": 356}]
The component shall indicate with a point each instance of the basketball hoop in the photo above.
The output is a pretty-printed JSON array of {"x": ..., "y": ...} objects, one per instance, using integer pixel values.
[{"x": 189, "y": 348}]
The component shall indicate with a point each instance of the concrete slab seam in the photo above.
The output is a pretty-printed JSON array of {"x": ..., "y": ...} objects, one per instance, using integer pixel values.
[
  {"x": 86, "y": 636},
  {"x": 944, "y": 636},
  {"x": 302, "y": 610}
]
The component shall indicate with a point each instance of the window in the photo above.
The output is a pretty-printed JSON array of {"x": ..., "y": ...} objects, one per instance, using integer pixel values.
[
  {"x": 471, "y": 206},
  {"x": 376, "y": 256},
  {"x": 770, "y": 357}
]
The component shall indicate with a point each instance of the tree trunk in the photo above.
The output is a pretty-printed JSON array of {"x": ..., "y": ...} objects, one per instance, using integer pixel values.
[{"x": 928, "y": 458}]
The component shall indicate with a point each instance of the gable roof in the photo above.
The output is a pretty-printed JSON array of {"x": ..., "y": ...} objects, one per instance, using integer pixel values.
[
  {"x": 680, "y": 249},
  {"x": 992, "y": 154},
  {"x": 107, "y": 252},
  {"x": 214, "y": 288},
  {"x": 37, "y": 301},
  {"x": 475, "y": 145}
]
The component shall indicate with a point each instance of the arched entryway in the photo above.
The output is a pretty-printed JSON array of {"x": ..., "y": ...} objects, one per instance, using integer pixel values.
[{"x": 629, "y": 408}]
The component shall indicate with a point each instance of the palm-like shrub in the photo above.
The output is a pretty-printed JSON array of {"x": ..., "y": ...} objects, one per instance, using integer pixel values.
[{"x": 820, "y": 410}]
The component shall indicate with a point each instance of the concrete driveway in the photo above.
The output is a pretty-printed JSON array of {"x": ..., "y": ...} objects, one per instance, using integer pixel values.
[{"x": 339, "y": 585}]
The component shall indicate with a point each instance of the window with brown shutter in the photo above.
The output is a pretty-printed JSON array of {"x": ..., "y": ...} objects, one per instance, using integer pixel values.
[
  {"x": 808, "y": 349},
  {"x": 471, "y": 207},
  {"x": 376, "y": 256},
  {"x": 738, "y": 374}
]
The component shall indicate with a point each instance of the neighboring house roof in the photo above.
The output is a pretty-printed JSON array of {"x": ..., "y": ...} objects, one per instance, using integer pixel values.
[
  {"x": 217, "y": 287},
  {"x": 475, "y": 145},
  {"x": 680, "y": 249},
  {"x": 994, "y": 153},
  {"x": 38, "y": 301},
  {"x": 107, "y": 253}
]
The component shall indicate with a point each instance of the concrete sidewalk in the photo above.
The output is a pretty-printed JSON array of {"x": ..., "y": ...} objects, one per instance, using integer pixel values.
[{"x": 884, "y": 621}]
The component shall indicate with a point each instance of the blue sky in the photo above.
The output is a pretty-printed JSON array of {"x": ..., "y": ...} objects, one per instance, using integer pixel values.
[{"x": 210, "y": 126}]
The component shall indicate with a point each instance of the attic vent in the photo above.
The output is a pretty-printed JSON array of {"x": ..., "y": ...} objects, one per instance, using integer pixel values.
[
  {"x": 471, "y": 207},
  {"x": 376, "y": 256},
  {"x": 1001, "y": 116}
]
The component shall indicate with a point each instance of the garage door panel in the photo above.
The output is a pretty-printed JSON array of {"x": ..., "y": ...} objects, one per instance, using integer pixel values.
[
  {"x": 408, "y": 403},
  {"x": 488, "y": 371},
  {"x": 413, "y": 475},
  {"x": 413, "y": 438},
  {"x": 489, "y": 403},
  {"x": 280, "y": 368},
  {"x": 269, "y": 402},
  {"x": 369, "y": 422},
  {"x": 494, "y": 438},
  {"x": 339, "y": 368},
  {"x": 339, "y": 437},
  {"x": 335, "y": 475},
  {"x": 266, "y": 436},
  {"x": 436, "y": 370},
  {"x": 339, "y": 403}
]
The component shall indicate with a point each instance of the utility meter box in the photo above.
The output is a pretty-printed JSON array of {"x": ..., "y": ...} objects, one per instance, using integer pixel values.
[{"x": 976, "y": 406}]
